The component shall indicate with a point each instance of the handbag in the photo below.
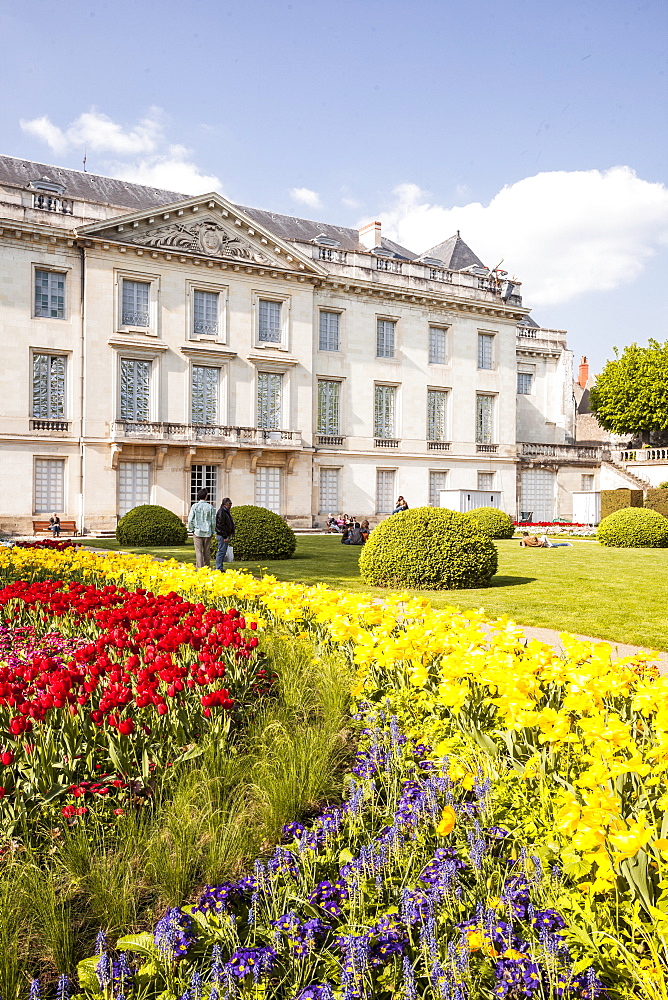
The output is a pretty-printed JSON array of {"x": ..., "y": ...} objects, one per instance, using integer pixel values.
[{"x": 229, "y": 555}]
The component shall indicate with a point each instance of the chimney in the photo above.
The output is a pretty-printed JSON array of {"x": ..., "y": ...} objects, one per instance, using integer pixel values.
[
  {"x": 370, "y": 235},
  {"x": 583, "y": 373}
]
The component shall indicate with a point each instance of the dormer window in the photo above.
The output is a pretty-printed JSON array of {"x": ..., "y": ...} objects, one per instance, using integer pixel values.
[
  {"x": 326, "y": 241},
  {"x": 47, "y": 196}
]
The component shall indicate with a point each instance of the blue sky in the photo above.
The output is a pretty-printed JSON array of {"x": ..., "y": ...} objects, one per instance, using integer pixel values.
[{"x": 537, "y": 129}]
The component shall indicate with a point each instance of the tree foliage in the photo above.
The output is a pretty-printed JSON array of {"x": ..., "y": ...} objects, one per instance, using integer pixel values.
[{"x": 631, "y": 393}]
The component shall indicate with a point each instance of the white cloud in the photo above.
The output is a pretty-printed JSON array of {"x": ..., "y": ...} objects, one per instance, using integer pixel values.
[
  {"x": 145, "y": 155},
  {"x": 98, "y": 133},
  {"x": 351, "y": 203},
  {"x": 173, "y": 170},
  {"x": 306, "y": 197},
  {"x": 562, "y": 233}
]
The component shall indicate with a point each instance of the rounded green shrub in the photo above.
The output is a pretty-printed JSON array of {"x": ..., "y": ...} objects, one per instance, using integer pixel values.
[
  {"x": 428, "y": 548},
  {"x": 492, "y": 522},
  {"x": 151, "y": 525},
  {"x": 261, "y": 534},
  {"x": 634, "y": 528}
]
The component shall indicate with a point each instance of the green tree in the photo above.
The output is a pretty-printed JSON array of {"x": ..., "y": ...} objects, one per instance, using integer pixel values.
[{"x": 631, "y": 393}]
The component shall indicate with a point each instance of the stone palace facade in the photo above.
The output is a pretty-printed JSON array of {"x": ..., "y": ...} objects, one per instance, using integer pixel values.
[{"x": 154, "y": 343}]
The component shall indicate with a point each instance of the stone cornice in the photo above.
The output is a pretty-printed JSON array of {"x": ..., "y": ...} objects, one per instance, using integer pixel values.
[
  {"x": 208, "y": 351},
  {"x": 448, "y": 301}
]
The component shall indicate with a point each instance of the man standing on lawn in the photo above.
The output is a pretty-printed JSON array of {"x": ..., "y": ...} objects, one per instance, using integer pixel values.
[
  {"x": 224, "y": 531},
  {"x": 202, "y": 524}
]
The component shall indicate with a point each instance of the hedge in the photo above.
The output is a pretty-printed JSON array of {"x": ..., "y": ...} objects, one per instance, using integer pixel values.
[
  {"x": 260, "y": 534},
  {"x": 428, "y": 548},
  {"x": 634, "y": 528},
  {"x": 149, "y": 524},
  {"x": 612, "y": 500},
  {"x": 657, "y": 500},
  {"x": 492, "y": 522}
]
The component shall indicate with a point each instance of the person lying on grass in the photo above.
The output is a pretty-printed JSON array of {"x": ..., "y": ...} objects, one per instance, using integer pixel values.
[{"x": 534, "y": 542}]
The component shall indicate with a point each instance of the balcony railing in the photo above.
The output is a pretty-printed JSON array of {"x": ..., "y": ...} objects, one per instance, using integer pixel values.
[
  {"x": 50, "y": 424},
  {"x": 438, "y": 445},
  {"x": 563, "y": 452},
  {"x": 214, "y": 434},
  {"x": 330, "y": 440},
  {"x": 50, "y": 203},
  {"x": 386, "y": 442},
  {"x": 486, "y": 449},
  {"x": 643, "y": 455}
]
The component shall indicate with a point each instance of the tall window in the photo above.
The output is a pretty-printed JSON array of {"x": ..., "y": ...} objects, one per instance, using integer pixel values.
[
  {"x": 330, "y": 325},
  {"x": 587, "y": 482},
  {"x": 437, "y": 482},
  {"x": 134, "y": 485},
  {"x": 524, "y": 383},
  {"x": 135, "y": 389},
  {"x": 383, "y": 414},
  {"x": 485, "y": 350},
  {"x": 269, "y": 321},
  {"x": 205, "y": 313},
  {"x": 269, "y": 397},
  {"x": 485, "y": 481},
  {"x": 329, "y": 491},
  {"x": 49, "y": 486},
  {"x": 328, "y": 406},
  {"x": 385, "y": 331},
  {"x": 204, "y": 476},
  {"x": 268, "y": 488},
  {"x": 135, "y": 305},
  {"x": 385, "y": 491},
  {"x": 205, "y": 394},
  {"x": 438, "y": 346},
  {"x": 50, "y": 294},
  {"x": 484, "y": 419},
  {"x": 48, "y": 385},
  {"x": 437, "y": 415}
]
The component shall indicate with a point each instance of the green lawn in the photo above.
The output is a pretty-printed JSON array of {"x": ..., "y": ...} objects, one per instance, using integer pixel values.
[{"x": 617, "y": 594}]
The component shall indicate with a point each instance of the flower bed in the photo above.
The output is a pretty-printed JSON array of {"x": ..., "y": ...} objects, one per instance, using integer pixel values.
[
  {"x": 556, "y": 528},
  {"x": 543, "y": 778},
  {"x": 101, "y": 687}
]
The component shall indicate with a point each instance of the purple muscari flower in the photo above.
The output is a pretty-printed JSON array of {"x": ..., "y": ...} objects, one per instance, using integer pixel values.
[
  {"x": 213, "y": 993},
  {"x": 216, "y": 963},
  {"x": 481, "y": 788},
  {"x": 477, "y": 848},
  {"x": 355, "y": 798},
  {"x": 439, "y": 979},
  {"x": 538, "y": 873},
  {"x": 196, "y": 985},
  {"x": 63, "y": 989},
  {"x": 173, "y": 934},
  {"x": 103, "y": 970},
  {"x": 186, "y": 995},
  {"x": 35, "y": 989},
  {"x": 100, "y": 942},
  {"x": 415, "y": 906},
  {"x": 428, "y": 936},
  {"x": 251, "y": 960},
  {"x": 410, "y": 991}
]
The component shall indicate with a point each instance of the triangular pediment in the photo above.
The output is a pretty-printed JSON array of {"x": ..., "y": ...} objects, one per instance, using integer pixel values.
[{"x": 207, "y": 226}]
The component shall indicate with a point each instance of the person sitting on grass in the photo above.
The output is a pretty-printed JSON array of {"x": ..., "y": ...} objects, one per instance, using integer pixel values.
[
  {"x": 533, "y": 542},
  {"x": 355, "y": 535},
  {"x": 332, "y": 525}
]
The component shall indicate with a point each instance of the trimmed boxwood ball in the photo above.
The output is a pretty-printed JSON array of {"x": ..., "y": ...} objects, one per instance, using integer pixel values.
[
  {"x": 428, "y": 548},
  {"x": 261, "y": 534},
  {"x": 492, "y": 522},
  {"x": 634, "y": 528},
  {"x": 151, "y": 525}
]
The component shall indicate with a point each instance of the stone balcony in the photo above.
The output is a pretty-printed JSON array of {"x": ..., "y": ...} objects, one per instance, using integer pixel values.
[
  {"x": 561, "y": 454},
  {"x": 210, "y": 435},
  {"x": 641, "y": 456}
]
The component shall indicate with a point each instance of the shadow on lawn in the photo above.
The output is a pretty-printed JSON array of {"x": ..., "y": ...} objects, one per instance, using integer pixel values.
[{"x": 511, "y": 581}]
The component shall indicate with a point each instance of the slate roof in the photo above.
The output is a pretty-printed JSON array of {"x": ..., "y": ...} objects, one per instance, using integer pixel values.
[
  {"x": 454, "y": 253},
  {"x": 529, "y": 321},
  {"x": 82, "y": 186}
]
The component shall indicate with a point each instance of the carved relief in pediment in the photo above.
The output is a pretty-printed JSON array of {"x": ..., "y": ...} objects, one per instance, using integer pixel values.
[{"x": 204, "y": 236}]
